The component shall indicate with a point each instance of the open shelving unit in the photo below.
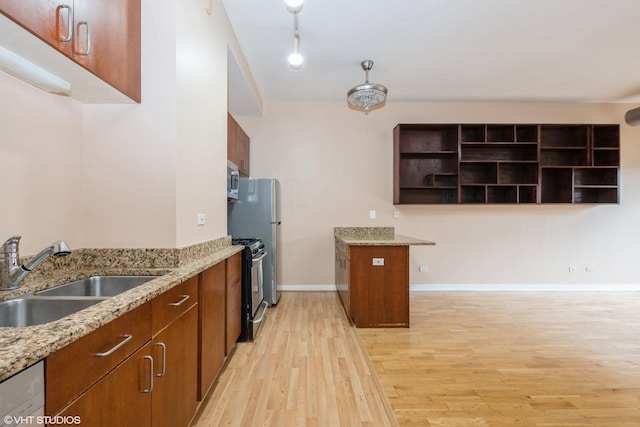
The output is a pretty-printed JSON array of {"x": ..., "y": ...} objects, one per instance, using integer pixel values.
[{"x": 506, "y": 163}]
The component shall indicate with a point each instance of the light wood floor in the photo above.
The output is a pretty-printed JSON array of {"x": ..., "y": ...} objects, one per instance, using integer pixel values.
[
  {"x": 513, "y": 359},
  {"x": 306, "y": 368},
  {"x": 469, "y": 359}
]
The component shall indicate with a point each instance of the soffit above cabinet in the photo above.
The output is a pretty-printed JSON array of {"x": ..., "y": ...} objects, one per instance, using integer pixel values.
[{"x": 85, "y": 86}]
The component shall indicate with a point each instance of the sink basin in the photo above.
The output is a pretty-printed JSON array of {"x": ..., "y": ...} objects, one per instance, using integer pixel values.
[
  {"x": 36, "y": 311},
  {"x": 96, "y": 286}
]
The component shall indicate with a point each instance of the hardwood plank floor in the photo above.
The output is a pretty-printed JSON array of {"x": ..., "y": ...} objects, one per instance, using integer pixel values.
[
  {"x": 306, "y": 368},
  {"x": 513, "y": 359}
]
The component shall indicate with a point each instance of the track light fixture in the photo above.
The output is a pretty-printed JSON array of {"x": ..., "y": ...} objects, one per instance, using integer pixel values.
[{"x": 295, "y": 59}]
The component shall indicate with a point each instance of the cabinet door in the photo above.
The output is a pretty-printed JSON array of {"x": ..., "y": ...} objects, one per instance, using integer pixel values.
[
  {"x": 51, "y": 20},
  {"x": 244, "y": 151},
  {"x": 379, "y": 294},
  {"x": 232, "y": 152},
  {"x": 71, "y": 370},
  {"x": 211, "y": 326},
  {"x": 107, "y": 42},
  {"x": 175, "y": 359},
  {"x": 233, "y": 301},
  {"x": 122, "y": 398}
]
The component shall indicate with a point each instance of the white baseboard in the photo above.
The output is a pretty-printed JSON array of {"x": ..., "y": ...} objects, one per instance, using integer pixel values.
[
  {"x": 487, "y": 287},
  {"x": 314, "y": 288},
  {"x": 524, "y": 287}
]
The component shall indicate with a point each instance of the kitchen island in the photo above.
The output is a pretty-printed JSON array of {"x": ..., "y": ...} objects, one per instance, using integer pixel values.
[{"x": 372, "y": 275}]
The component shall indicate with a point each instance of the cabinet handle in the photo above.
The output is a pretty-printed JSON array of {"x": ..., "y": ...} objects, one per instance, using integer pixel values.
[
  {"x": 256, "y": 321},
  {"x": 127, "y": 338},
  {"x": 87, "y": 49},
  {"x": 182, "y": 301},
  {"x": 69, "y": 21},
  {"x": 150, "y": 389},
  {"x": 164, "y": 359}
]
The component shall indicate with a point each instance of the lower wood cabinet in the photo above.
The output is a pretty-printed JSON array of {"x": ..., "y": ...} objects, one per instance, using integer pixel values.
[
  {"x": 72, "y": 370},
  {"x": 373, "y": 284},
  {"x": 174, "y": 350},
  {"x": 211, "y": 326},
  {"x": 138, "y": 370},
  {"x": 122, "y": 398},
  {"x": 233, "y": 301}
]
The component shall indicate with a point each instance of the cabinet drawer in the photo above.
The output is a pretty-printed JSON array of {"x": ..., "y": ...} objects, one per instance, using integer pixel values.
[
  {"x": 168, "y": 306},
  {"x": 74, "y": 368},
  {"x": 119, "y": 399}
]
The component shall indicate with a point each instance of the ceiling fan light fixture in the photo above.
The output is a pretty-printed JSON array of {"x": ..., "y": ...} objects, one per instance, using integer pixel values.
[
  {"x": 633, "y": 117},
  {"x": 367, "y": 95}
]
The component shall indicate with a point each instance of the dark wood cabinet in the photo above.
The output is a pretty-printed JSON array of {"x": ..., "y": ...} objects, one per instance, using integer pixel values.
[
  {"x": 104, "y": 36},
  {"x": 506, "y": 163},
  {"x": 238, "y": 146},
  {"x": 211, "y": 326},
  {"x": 373, "y": 284}
]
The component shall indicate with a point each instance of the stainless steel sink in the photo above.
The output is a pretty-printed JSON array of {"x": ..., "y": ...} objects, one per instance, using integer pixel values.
[
  {"x": 29, "y": 311},
  {"x": 96, "y": 286}
]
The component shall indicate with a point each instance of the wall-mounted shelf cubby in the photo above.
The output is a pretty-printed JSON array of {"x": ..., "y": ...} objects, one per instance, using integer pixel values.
[{"x": 506, "y": 163}]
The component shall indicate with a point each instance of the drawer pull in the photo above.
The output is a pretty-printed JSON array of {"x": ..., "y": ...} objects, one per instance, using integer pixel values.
[
  {"x": 150, "y": 389},
  {"x": 127, "y": 338},
  {"x": 182, "y": 301},
  {"x": 164, "y": 359}
]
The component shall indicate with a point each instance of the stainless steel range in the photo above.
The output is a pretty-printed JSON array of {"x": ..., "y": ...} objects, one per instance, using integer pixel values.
[{"x": 254, "y": 307}]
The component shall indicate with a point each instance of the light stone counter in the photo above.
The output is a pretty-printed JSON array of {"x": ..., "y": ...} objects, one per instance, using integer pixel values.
[
  {"x": 375, "y": 236},
  {"x": 23, "y": 346}
]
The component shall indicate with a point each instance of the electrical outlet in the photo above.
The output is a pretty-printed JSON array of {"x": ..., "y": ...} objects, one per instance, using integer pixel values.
[
  {"x": 372, "y": 214},
  {"x": 396, "y": 214},
  {"x": 201, "y": 219},
  {"x": 378, "y": 261},
  {"x": 424, "y": 269}
]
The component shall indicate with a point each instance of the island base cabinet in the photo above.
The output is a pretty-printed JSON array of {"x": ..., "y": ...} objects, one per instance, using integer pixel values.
[
  {"x": 378, "y": 286},
  {"x": 122, "y": 398}
]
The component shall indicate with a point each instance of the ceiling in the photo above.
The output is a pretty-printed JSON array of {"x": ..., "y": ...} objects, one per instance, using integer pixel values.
[{"x": 446, "y": 50}]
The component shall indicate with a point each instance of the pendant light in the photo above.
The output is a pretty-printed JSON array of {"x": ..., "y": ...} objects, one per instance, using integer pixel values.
[
  {"x": 295, "y": 59},
  {"x": 367, "y": 95}
]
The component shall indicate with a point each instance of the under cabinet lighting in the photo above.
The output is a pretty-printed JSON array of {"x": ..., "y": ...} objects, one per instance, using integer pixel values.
[{"x": 32, "y": 74}]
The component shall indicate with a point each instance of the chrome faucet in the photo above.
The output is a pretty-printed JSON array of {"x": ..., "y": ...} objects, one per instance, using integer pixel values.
[{"x": 11, "y": 274}]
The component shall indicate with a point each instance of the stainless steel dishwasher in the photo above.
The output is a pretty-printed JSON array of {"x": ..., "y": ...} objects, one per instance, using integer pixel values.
[{"x": 22, "y": 398}]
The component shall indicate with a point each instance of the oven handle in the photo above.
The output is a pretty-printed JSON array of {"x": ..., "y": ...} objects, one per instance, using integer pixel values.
[
  {"x": 266, "y": 305},
  {"x": 260, "y": 258}
]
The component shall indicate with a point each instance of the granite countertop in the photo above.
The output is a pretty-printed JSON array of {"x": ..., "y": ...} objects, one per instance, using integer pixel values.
[
  {"x": 21, "y": 347},
  {"x": 375, "y": 236}
]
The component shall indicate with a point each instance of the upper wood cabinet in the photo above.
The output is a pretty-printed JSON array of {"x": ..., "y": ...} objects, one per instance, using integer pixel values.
[
  {"x": 101, "y": 35},
  {"x": 506, "y": 163},
  {"x": 238, "y": 146}
]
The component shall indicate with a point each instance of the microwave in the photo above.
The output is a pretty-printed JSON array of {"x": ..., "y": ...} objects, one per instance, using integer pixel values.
[{"x": 233, "y": 181}]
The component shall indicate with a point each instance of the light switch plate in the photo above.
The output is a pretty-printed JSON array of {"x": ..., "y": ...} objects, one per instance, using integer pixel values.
[
  {"x": 378, "y": 261},
  {"x": 372, "y": 214},
  {"x": 201, "y": 219}
]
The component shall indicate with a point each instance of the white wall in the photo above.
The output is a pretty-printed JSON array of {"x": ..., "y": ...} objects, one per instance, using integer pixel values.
[
  {"x": 41, "y": 166},
  {"x": 126, "y": 175},
  {"x": 336, "y": 164}
]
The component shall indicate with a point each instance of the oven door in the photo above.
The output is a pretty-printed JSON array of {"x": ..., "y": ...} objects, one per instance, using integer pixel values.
[{"x": 258, "y": 304}]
